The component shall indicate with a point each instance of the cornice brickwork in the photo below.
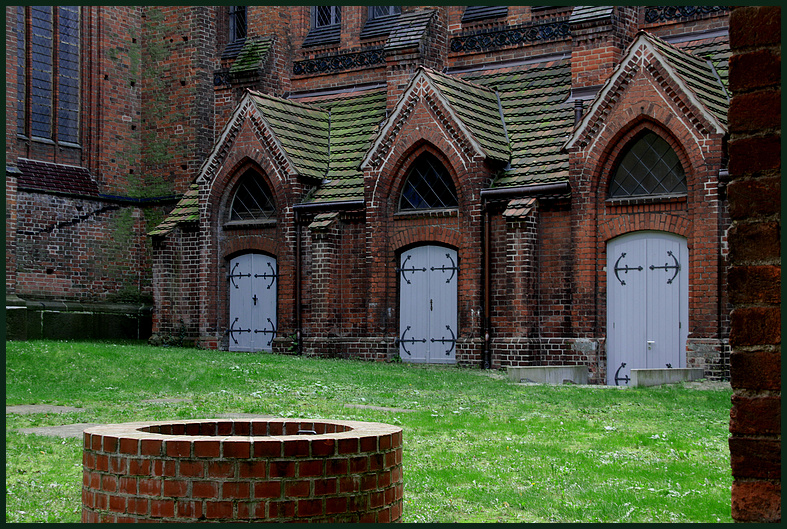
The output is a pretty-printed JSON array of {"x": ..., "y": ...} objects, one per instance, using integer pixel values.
[{"x": 518, "y": 36}]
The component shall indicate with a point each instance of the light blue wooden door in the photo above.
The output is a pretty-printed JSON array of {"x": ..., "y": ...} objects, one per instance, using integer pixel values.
[
  {"x": 428, "y": 277},
  {"x": 647, "y": 303},
  {"x": 253, "y": 283}
]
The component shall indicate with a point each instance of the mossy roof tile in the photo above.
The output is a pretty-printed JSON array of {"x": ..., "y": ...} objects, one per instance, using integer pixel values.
[
  {"x": 251, "y": 55},
  {"x": 186, "y": 210}
]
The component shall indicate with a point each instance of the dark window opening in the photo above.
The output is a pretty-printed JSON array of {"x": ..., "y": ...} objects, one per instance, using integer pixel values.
[
  {"x": 428, "y": 186},
  {"x": 237, "y": 22},
  {"x": 253, "y": 200},
  {"x": 48, "y": 58},
  {"x": 648, "y": 167},
  {"x": 326, "y": 16},
  {"x": 325, "y": 26},
  {"x": 236, "y": 32},
  {"x": 380, "y": 21}
]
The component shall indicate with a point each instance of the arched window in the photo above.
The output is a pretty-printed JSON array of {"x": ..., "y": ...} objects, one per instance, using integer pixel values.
[
  {"x": 253, "y": 200},
  {"x": 648, "y": 167},
  {"x": 428, "y": 186}
]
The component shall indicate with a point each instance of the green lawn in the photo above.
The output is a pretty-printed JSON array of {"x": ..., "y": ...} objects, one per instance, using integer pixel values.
[{"x": 476, "y": 448}]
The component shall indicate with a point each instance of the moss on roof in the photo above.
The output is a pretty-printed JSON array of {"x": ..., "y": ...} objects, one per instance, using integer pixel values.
[
  {"x": 302, "y": 131},
  {"x": 538, "y": 120},
  {"x": 353, "y": 123},
  {"x": 478, "y": 108},
  {"x": 251, "y": 56},
  {"x": 186, "y": 210},
  {"x": 699, "y": 75}
]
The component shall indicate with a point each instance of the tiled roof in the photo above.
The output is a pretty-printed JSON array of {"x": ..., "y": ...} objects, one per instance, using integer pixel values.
[
  {"x": 186, "y": 210},
  {"x": 478, "y": 109},
  {"x": 537, "y": 119},
  {"x": 302, "y": 131},
  {"x": 587, "y": 13},
  {"x": 323, "y": 221},
  {"x": 409, "y": 30},
  {"x": 519, "y": 208},
  {"x": 702, "y": 81},
  {"x": 353, "y": 123},
  {"x": 699, "y": 76},
  {"x": 251, "y": 56},
  {"x": 53, "y": 177}
]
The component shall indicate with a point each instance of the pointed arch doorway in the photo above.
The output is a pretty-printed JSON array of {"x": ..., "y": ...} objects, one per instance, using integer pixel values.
[
  {"x": 647, "y": 303},
  {"x": 253, "y": 282},
  {"x": 428, "y": 279}
]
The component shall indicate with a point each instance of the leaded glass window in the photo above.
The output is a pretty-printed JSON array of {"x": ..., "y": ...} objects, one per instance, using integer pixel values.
[
  {"x": 428, "y": 186},
  {"x": 252, "y": 200},
  {"x": 326, "y": 16},
  {"x": 237, "y": 30},
  {"x": 648, "y": 167},
  {"x": 376, "y": 12},
  {"x": 48, "y": 57}
]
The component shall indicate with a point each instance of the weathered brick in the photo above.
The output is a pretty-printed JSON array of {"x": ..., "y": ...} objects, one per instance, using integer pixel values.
[
  {"x": 755, "y": 415},
  {"x": 756, "y": 370}
]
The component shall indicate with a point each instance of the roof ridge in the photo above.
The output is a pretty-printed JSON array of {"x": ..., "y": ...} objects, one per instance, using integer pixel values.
[
  {"x": 289, "y": 102},
  {"x": 457, "y": 79}
]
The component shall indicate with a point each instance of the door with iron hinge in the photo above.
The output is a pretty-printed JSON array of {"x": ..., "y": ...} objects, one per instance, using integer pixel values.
[
  {"x": 253, "y": 282},
  {"x": 647, "y": 303},
  {"x": 428, "y": 279}
]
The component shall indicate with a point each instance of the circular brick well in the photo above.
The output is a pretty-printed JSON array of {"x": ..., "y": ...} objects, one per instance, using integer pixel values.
[{"x": 279, "y": 470}]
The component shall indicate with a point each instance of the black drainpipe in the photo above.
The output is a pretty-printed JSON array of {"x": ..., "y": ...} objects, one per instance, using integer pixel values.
[
  {"x": 487, "y": 220},
  {"x": 298, "y": 344}
]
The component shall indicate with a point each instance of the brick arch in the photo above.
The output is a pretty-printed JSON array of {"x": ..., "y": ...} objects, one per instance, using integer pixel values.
[
  {"x": 229, "y": 184},
  {"x": 425, "y": 235},
  {"x": 623, "y": 224},
  {"x": 236, "y": 165},
  {"x": 411, "y": 142},
  {"x": 254, "y": 243},
  {"x": 618, "y": 144}
]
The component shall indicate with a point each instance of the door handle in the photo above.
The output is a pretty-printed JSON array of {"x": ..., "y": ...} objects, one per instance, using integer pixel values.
[{"x": 650, "y": 344}]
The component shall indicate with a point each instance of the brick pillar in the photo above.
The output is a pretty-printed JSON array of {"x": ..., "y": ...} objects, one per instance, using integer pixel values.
[
  {"x": 325, "y": 295},
  {"x": 755, "y": 255}
]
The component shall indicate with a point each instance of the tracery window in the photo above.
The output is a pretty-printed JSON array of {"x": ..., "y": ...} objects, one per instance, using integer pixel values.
[
  {"x": 428, "y": 186},
  {"x": 376, "y": 12},
  {"x": 253, "y": 200},
  {"x": 237, "y": 23},
  {"x": 648, "y": 167},
  {"x": 48, "y": 73},
  {"x": 325, "y": 26},
  {"x": 380, "y": 21},
  {"x": 326, "y": 16}
]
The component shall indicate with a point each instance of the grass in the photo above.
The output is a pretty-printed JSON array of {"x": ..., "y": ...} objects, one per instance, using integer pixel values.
[{"x": 477, "y": 448}]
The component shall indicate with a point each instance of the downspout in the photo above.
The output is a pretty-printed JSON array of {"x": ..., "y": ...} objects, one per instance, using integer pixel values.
[
  {"x": 487, "y": 355},
  {"x": 298, "y": 333}
]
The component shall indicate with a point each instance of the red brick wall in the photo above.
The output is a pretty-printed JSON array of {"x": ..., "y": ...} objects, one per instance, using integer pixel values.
[
  {"x": 80, "y": 250},
  {"x": 175, "y": 278},
  {"x": 755, "y": 255},
  {"x": 179, "y": 53}
]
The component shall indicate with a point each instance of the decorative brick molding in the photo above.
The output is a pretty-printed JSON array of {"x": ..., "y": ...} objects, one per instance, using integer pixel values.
[{"x": 243, "y": 470}]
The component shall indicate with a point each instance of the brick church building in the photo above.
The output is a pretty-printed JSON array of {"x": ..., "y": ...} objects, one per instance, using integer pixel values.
[{"x": 485, "y": 186}]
